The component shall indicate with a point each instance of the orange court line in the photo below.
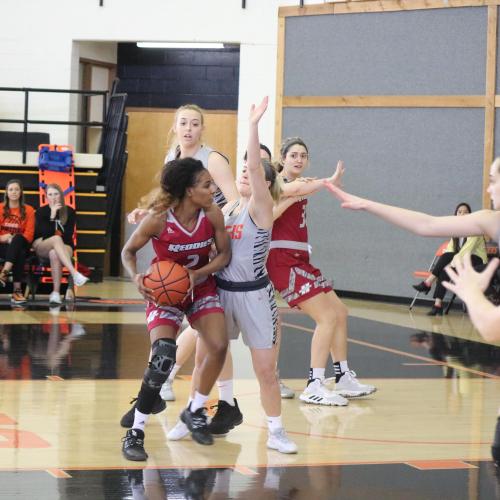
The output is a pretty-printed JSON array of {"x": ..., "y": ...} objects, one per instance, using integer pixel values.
[
  {"x": 6, "y": 420},
  {"x": 54, "y": 378},
  {"x": 402, "y": 353},
  {"x": 58, "y": 473},
  {"x": 440, "y": 464},
  {"x": 167, "y": 465},
  {"x": 372, "y": 440},
  {"x": 246, "y": 471},
  {"x": 418, "y": 364}
]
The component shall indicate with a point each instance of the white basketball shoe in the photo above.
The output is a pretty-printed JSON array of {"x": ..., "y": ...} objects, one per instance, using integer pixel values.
[{"x": 316, "y": 393}]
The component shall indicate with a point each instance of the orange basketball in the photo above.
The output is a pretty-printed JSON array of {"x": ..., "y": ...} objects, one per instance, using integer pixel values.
[{"x": 168, "y": 281}]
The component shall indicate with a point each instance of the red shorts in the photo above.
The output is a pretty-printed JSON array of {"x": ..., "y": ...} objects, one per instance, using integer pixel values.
[
  {"x": 294, "y": 276},
  {"x": 205, "y": 301}
]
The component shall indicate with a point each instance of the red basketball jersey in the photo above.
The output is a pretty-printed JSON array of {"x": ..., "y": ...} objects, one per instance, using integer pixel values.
[
  {"x": 187, "y": 248},
  {"x": 291, "y": 225}
]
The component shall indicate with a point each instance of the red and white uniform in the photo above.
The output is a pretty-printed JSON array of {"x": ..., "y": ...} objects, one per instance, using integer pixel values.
[
  {"x": 288, "y": 263},
  {"x": 190, "y": 249}
]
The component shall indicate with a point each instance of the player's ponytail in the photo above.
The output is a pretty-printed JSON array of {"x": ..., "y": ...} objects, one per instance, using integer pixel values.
[{"x": 273, "y": 178}]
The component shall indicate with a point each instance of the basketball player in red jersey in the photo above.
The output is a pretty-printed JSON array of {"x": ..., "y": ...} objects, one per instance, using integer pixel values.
[
  {"x": 303, "y": 286},
  {"x": 182, "y": 225}
]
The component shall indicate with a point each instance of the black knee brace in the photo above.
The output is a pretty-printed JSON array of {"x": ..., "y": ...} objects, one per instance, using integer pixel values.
[
  {"x": 495, "y": 448},
  {"x": 161, "y": 364}
]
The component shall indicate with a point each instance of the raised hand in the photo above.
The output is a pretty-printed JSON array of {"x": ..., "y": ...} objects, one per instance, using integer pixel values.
[
  {"x": 347, "y": 200},
  {"x": 336, "y": 178},
  {"x": 465, "y": 280},
  {"x": 256, "y": 112},
  {"x": 137, "y": 215}
]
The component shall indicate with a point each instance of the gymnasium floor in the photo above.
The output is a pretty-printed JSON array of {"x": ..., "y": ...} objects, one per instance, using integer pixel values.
[{"x": 68, "y": 375}]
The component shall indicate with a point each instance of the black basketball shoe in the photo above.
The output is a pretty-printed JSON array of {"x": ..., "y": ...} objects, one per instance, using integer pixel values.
[
  {"x": 133, "y": 445},
  {"x": 226, "y": 417},
  {"x": 197, "y": 423},
  {"x": 127, "y": 420}
]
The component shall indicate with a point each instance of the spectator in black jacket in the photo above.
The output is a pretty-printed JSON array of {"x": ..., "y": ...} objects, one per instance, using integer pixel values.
[{"x": 54, "y": 240}]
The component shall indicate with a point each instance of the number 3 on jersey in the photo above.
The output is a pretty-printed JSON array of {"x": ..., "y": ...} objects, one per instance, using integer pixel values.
[{"x": 303, "y": 219}]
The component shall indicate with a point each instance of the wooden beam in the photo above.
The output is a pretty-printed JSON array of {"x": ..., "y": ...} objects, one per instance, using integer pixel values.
[
  {"x": 280, "y": 75},
  {"x": 489, "y": 110},
  {"x": 385, "y": 101},
  {"x": 359, "y": 6}
]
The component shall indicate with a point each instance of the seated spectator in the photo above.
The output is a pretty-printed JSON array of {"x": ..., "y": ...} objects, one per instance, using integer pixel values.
[
  {"x": 54, "y": 232},
  {"x": 456, "y": 249},
  {"x": 17, "y": 225}
]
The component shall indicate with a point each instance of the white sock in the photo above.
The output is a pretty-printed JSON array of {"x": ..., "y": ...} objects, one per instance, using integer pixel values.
[
  {"x": 274, "y": 423},
  {"x": 199, "y": 401},
  {"x": 140, "y": 420},
  {"x": 173, "y": 373},
  {"x": 226, "y": 391},
  {"x": 273, "y": 475},
  {"x": 344, "y": 367},
  {"x": 318, "y": 373},
  {"x": 222, "y": 481}
]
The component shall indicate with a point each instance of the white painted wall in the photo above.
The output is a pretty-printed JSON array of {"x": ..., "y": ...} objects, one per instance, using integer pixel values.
[{"x": 35, "y": 52}]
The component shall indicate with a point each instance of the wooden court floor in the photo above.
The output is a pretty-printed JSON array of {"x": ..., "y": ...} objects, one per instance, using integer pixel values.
[{"x": 68, "y": 375}]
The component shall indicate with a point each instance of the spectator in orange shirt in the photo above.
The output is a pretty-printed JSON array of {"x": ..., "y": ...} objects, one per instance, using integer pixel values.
[{"x": 17, "y": 227}]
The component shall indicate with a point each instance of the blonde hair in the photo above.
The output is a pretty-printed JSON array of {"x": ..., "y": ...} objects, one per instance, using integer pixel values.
[
  {"x": 63, "y": 211},
  {"x": 275, "y": 180},
  {"x": 171, "y": 137}
]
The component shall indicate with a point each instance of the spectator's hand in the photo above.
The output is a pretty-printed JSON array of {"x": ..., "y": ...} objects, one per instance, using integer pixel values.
[
  {"x": 6, "y": 238},
  {"x": 54, "y": 209},
  {"x": 137, "y": 215},
  {"x": 465, "y": 280},
  {"x": 147, "y": 293}
]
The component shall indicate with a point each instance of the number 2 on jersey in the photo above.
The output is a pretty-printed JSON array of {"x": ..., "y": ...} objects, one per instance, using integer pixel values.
[{"x": 193, "y": 260}]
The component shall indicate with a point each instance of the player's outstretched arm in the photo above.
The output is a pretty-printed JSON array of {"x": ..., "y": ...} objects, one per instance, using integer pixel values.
[
  {"x": 469, "y": 285},
  {"x": 475, "y": 224},
  {"x": 261, "y": 201},
  {"x": 222, "y": 244},
  {"x": 300, "y": 188}
]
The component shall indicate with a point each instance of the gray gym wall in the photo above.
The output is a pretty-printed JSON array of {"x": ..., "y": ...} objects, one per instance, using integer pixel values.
[{"x": 426, "y": 159}]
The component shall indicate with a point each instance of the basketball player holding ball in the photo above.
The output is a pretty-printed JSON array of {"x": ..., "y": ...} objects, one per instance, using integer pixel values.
[{"x": 182, "y": 225}]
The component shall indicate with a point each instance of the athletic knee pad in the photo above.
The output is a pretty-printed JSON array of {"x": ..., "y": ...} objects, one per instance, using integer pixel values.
[{"x": 161, "y": 364}]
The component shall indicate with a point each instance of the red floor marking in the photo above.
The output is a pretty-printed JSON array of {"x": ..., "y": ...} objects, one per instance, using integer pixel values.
[
  {"x": 58, "y": 473},
  {"x": 12, "y": 438},
  {"x": 246, "y": 471},
  {"x": 401, "y": 353},
  {"x": 440, "y": 464},
  {"x": 6, "y": 420}
]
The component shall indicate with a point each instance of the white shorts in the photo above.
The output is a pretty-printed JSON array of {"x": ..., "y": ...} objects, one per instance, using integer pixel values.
[{"x": 254, "y": 314}]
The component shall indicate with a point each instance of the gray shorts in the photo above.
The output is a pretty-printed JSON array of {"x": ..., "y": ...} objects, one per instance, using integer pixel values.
[{"x": 254, "y": 314}]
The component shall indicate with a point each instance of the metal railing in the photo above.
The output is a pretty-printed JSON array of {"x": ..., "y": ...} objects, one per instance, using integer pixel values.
[{"x": 26, "y": 121}]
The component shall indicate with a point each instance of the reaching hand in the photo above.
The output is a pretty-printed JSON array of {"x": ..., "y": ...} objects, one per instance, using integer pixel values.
[
  {"x": 336, "y": 178},
  {"x": 465, "y": 280},
  {"x": 347, "y": 200},
  {"x": 137, "y": 215},
  {"x": 256, "y": 112}
]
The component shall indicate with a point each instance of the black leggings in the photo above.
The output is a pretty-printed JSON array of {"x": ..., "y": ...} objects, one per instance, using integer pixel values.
[
  {"x": 15, "y": 252},
  {"x": 442, "y": 275}
]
